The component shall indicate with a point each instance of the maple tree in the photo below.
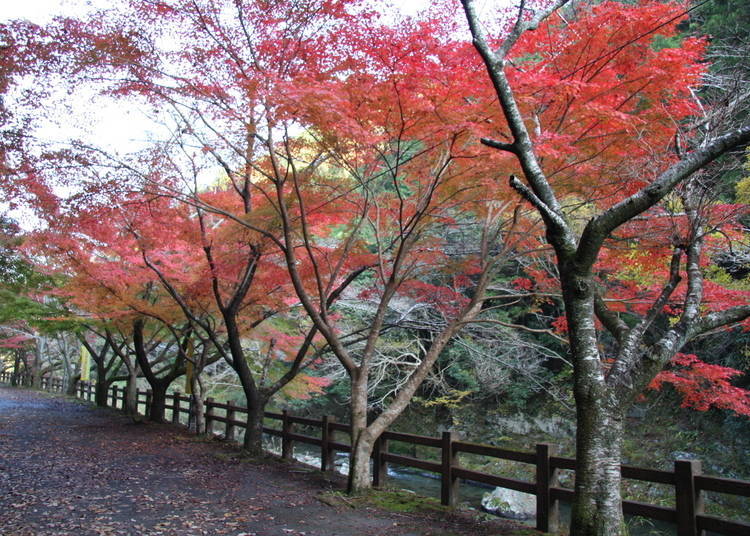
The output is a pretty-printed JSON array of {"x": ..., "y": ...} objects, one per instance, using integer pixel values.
[
  {"x": 400, "y": 182},
  {"x": 597, "y": 125},
  {"x": 234, "y": 276},
  {"x": 108, "y": 294}
]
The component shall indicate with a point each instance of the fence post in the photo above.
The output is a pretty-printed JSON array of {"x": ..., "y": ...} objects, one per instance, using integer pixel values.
[
  {"x": 547, "y": 509},
  {"x": 231, "y": 415},
  {"x": 80, "y": 389},
  {"x": 380, "y": 466},
  {"x": 114, "y": 396},
  {"x": 149, "y": 396},
  {"x": 326, "y": 436},
  {"x": 176, "y": 407},
  {"x": 287, "y": 446},
  {"x": 688, "y": 498},
  {"x": 448, "y": 483}
]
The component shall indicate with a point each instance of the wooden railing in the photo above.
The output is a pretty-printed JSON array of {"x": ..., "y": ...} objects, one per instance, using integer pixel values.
[{"x": 686, "y": 478}]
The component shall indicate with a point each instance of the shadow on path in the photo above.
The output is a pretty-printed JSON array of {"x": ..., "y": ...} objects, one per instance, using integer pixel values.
[{"x": 69, "y": 468}]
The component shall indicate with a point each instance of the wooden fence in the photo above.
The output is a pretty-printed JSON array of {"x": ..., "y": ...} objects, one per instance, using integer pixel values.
[{"x": 686, "y": 478}]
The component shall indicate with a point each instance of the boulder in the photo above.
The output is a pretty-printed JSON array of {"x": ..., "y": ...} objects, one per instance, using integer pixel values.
[{"x": 510, "y": 504}]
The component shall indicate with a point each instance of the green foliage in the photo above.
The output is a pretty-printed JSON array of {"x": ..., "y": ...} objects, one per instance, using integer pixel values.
[
  {"x": 452, "y": 399},
  {"x": 721, "y": 276},
  {"x": 722, "y": 20},
  {"x": 23, "y": 288},
  {"x": 661, "y": 41},
  {"x": 742, "y": 188},
  {"x": 16, "y": 274}
]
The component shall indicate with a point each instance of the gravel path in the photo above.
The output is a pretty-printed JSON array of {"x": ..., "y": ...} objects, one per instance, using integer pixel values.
[{"x": 69, "y": 468}]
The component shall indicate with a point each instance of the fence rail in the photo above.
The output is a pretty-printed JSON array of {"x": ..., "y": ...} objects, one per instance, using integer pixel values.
[{"x": 686, "y": 478}]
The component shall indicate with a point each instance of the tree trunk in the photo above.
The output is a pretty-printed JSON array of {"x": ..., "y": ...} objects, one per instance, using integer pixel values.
[
  {"x": 158, "y": 385},
  {"x": 197, "y": 423},
  {"x": 256, "y": 401},
  {"x": 102, "y": 387},
  {"x": 197, "y": 420},
  {"x": 158, "y": 402},
  {"x": 597, "y": 509},
  {"x": 36, "y": 371},
  {"x": 131, "y": 392},
  {"x": 362, "y": 442},
  {"x": 16, "y": 370},
  {"x": 360, "y": 478},
  {"x": 253, "y": 440},
  {"x": 73, "y": 385}
]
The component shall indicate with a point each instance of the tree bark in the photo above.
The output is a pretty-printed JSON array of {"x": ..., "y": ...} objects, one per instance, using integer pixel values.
[
  {"x": 253, "y": 439},
  {"x": 197, "y": 421},
  {"x": 256, "y": 402},
  {"x": 102, "y": 387},
  {"x": 16, "y": 370},
  {"x": 158, "y": 401},
  {"x": 597, "y": 510},
  {"x": 360, "y": 478},
  {"x": 73, "y": 385},
  {"x": 362, "y": 441},
  {"x": 131, "y": 392},
  {"x": 36, "y": 371}
]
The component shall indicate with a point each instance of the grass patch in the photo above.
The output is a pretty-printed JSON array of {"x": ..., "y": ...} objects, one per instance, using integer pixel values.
[
  {"x": 194, "y": 439},
  {"x": 403, "y": 501},
  {"x": 391, "y": 500}
]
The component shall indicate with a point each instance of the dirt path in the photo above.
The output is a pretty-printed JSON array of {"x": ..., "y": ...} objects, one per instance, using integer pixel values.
[{"x": 69, "y": 468}]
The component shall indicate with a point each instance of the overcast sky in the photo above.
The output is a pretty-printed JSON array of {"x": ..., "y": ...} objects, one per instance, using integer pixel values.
[{"x": 41, "y": 11}]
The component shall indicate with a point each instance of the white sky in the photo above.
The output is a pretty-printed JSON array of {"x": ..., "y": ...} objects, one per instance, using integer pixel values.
[{"x": 41, "y": 11}]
